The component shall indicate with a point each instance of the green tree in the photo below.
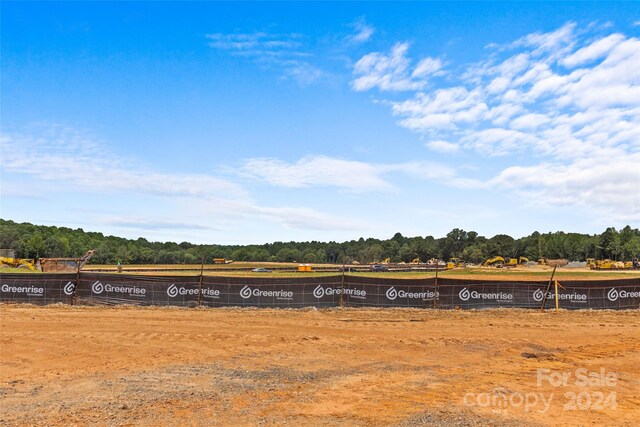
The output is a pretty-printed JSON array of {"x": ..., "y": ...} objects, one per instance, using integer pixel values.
[
  {"x": 35, "y": 246},
  {"x": 474, "y": 254},
  {"x": 501, "y": 245},
  {"x": 57, "y": 247},
  {"x": 609, "y": 244},
  {"x": 288, "y": 255}
]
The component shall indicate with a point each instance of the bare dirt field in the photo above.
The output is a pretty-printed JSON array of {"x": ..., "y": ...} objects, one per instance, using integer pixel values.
[
  {"x": 64, "y": 365},
  {"x": 243, "y": 269}
]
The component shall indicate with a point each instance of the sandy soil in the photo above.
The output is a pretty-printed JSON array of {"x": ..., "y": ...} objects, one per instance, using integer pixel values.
[{"x": 64, "y": 365}]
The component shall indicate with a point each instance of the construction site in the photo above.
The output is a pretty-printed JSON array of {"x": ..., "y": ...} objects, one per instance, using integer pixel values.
[
  {"x": 242, "y": 343},
  {"x": 45, "y": 265}
]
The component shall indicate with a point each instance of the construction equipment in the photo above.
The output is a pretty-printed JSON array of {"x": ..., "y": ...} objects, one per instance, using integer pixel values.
[
  {"x": 65, "y": 264},
  {"x": 27, "y": 264},
  {"x": 511, "y": 262},
  {"x": 607, "y": 264},
  {"x": 500, "y": 262},
  {"x": 455, "y": 262},
  {"x": 305, "y": 268},
  {"x": 416, "y": 261},
  {"x": 591, "y": 262},
  {"x": 496, "y": 261},
  {"x": 514, "y": 262},
  {"x": 553, "y": 262}
]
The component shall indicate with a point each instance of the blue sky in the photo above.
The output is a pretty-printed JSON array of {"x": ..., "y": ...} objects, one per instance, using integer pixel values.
[{"x": 259, "y": 122}]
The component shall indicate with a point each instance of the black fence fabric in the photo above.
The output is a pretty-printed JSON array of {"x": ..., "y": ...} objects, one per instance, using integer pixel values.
[
  {"x": 488, "y": 294},
  {"x": 380, "y": 292},
  {"x": 610, "y": 294},
  {"x": 114, "y": 289},
  {"x": 38, "y": 289},
  {"x": 328, "y": 291},
  {"x": 278, "y": 292}
]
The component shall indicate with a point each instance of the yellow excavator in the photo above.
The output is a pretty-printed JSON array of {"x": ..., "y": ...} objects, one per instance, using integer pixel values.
[
  {"x": 500, "y": 262},
  {"x": 513, "y": 262},
  {"x": 496, "y": 261},
  {"x": 28, "y": 264},
  {"x": 455, "y": 262}
]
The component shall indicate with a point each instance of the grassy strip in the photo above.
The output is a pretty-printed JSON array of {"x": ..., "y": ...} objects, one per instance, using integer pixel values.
[
  {"x": 16, "y": 270},
  {"x": 240, "y": 270}
]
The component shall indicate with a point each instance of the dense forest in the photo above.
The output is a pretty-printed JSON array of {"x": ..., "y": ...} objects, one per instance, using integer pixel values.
[{"x": 36, "y": 241}]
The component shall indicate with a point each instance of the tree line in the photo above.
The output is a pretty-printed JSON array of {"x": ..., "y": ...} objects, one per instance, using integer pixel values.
[{"x": 39, "y": 241}]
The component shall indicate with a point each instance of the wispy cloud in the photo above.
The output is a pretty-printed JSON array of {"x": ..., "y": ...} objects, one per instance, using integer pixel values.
[
  {"x": 362, "y": 31},
  {"x": 301, "y": 72},
  {"x": 393, "y": 71},
  {"x": 442, "y": 146},
  {"x": 570, "y": 96},
  {"x": 68, "y": 156},
  {"x": 286, "y": 52},
  {"x": 553, "y": 43},
  {"x": 318, "y": 171},
  {"x": 73, "y": 162},
  {"x": 349, "y": 175},
  {"x": 139, "y": 223},
  {"x": 305, "y": 218},
  {"x": 257, "y": 43},
  {"x": 608, "y": 186},
  {"x": 594, "y": 51}
]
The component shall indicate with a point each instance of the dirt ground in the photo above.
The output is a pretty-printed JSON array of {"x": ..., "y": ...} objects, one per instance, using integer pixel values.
[{"x": 63, "y": 365}]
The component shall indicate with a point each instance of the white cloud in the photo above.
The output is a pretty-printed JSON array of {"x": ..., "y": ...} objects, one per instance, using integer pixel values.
[
  {"x": 607, "y": 185},
  {"x": 498, "y": 85},
  {"x": 305, "y": 218},
  {"x": 442, "y": 146},
  {"x": 444, "y": 109},
  {"x": 569, "y": 96},
  {"x": 427, "y": 67},
  {"x": 498, "y": 141},
  {"x": 438, "y": 173},
  {"x": 257, "y": 43},
  {"x": 551, "y": 43},
  {"x": 143, "y": 223},
  {"x": 302, "y": 72},
  {"x": 350, "y": 175},
  {"x": 73, "y": 162},
  {"x": 72, "y": 158},
  {"x": 596, "y": 50},
  {"x": 501, "y": 114},
  {"x": 362, "y": 31},
  {"x": 387, "y": 72},
  {"x": 613, "y": 82},
  {"x": 284, "y": 52},
  {"x": 392, "y": 71},
  {"x": 530, "y": 121},
  {"x": 317, "y": 171}
]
